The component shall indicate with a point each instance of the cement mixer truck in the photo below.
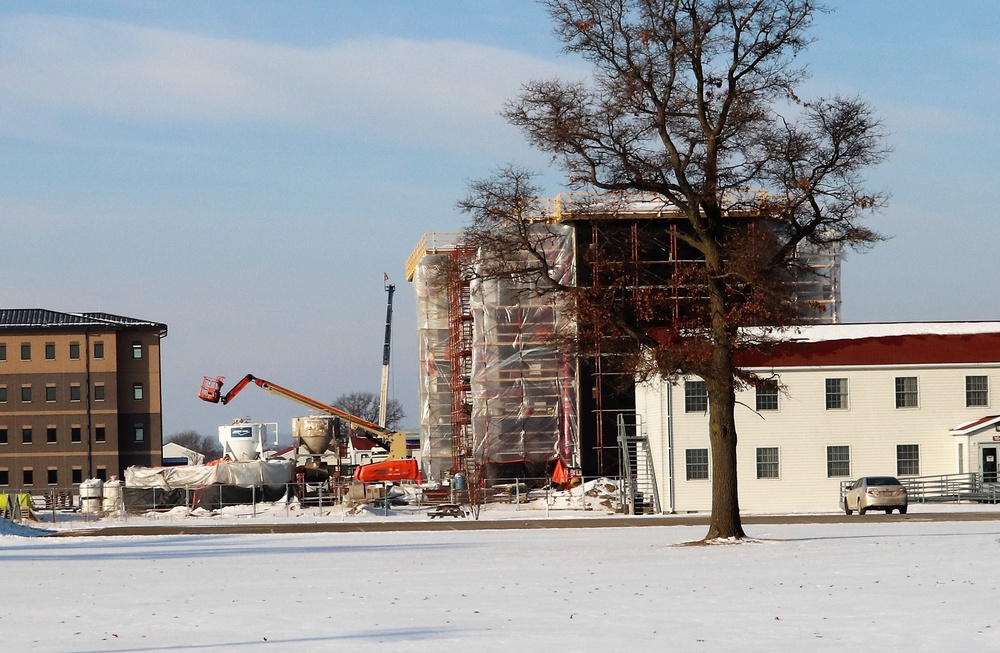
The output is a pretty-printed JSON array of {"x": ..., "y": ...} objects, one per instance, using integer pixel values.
[{"x": 397, "y": 465}]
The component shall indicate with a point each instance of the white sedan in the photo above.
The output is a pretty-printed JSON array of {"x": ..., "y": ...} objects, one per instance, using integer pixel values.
[{"x": 875, "y": 493}]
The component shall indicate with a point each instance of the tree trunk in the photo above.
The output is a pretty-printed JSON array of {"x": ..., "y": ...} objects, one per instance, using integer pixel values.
[
  {"x": 725, "y": 521},
  {"x": 721, "y": 385}
]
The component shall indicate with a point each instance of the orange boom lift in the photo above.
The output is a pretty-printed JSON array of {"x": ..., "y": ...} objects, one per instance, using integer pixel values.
[{"x": 397, "y": 466}]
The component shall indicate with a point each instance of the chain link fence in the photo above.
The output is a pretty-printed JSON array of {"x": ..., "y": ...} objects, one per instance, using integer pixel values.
[{"x": 529, "y": 495}]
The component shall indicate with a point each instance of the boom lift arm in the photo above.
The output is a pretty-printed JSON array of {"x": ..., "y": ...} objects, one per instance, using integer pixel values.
[{"x": 393, "y": 441}]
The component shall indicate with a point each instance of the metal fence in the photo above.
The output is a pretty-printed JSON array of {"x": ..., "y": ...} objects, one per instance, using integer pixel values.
[
  {"x": 944, "y": 488},
  {"x": 517, "y": 494}
]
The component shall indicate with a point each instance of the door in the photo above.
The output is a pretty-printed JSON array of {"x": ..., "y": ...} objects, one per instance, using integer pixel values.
[{"x": 989, "y": 464}]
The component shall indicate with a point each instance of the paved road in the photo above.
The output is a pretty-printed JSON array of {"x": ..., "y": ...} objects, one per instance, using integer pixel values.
[{"x": 457, "y": 524}]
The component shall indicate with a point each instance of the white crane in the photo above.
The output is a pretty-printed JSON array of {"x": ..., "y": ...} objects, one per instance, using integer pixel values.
[{"x": 383, "y": 403}]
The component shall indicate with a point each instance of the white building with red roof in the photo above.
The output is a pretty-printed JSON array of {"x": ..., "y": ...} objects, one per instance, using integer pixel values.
[{"x": 843, "y": 401}]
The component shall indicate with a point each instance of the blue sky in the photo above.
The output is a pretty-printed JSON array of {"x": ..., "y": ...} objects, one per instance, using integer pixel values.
[{"x": 246, "y": 171}]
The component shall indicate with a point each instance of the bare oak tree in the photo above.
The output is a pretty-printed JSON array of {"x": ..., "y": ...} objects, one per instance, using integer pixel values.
[
  {"x": 692, "y": 102},
  {"x": 365, "y": 405}
]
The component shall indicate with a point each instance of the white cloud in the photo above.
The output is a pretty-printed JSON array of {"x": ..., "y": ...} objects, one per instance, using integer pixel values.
[{"x": 401, "y": 89}]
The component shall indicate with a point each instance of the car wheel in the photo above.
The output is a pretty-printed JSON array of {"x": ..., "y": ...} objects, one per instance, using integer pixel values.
[
  {"x": 861, "y": 509},
  {"x": 847, "y": 508},
  {"x": 888, "y": 511},
  {"x": 902, "y": 510}
]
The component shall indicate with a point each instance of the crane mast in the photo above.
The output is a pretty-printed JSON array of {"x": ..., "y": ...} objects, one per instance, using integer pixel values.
[{"x": 383, "y": 403}]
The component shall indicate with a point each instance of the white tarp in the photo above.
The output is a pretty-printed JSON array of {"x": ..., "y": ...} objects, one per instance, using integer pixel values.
[{"x": 244, "y": 473}]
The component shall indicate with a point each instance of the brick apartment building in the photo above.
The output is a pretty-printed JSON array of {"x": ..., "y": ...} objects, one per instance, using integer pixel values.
[{"x": 79, "y": 396}]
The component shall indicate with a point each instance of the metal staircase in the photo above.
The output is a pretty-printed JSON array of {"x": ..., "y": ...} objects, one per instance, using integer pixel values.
[{"x": 639, "y": 494}]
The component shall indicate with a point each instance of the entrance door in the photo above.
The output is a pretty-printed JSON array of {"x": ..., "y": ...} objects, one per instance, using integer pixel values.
[{"x": 989, "y": 463}]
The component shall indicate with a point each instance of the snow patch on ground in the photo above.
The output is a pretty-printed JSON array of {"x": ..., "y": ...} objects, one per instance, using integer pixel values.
[
  {"x": 11, "y": 529},
  {"x": 885, "y": 585}
]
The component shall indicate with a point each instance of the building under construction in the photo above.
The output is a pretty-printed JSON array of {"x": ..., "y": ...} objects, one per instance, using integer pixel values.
[{"x": 496, "y": 392}]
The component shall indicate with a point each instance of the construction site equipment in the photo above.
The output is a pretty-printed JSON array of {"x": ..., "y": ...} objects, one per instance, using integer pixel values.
[
  {"x": 393, "y": 468},
  {"x": 245, "y": 440},
  {"x": 383, "y": 402}
]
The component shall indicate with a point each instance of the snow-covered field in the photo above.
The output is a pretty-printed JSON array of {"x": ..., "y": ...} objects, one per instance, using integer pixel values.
[{"x": 887, "y": 585}]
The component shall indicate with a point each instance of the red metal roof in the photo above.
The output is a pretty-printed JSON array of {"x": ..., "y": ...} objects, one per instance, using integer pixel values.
[
  {"x": 915, "y": 349},
  {"x": 976, "y": 425}
]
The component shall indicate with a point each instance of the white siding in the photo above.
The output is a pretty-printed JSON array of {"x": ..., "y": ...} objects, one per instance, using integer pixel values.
[{"x": 802, "y": 429}]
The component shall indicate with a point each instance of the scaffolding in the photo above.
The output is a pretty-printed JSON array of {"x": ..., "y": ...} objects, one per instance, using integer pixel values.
[
  {"x": 524, "y": 382},
  {"x": 460, "y": 341},
  {"x": 497, "y": 390},
  {"x": 440, "y": 377}
]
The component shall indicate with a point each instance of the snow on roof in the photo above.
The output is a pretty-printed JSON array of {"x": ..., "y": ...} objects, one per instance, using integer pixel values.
[
  {"x": 976, "y": 425},
  {"x": 34, "y": 318},
  {"x": 854, "y": 331}
]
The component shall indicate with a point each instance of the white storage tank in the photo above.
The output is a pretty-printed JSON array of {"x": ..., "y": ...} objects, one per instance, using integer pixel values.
[
  {"x": 91, "y": 495},
  {"x": 244, "y": 440},
  {"x": 114, "y": 503},
  {"x": 314, "y": 433}
]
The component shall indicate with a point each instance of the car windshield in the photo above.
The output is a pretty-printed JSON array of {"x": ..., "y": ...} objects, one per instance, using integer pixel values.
[{"x": 883, "y": 480}]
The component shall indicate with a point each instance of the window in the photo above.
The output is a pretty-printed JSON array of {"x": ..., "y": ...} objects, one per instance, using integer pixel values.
[
  {"x": 99, "y": 434},
  {"x": 74, "y": 351},
  {"x": 99, "y": 392},
  {"x": 977, "y": 391},
  {"x": 137, "y": 391},
  {"x": 25, "y": 394},
  {"x": 102, "y": 473},
  {"x": 26, "y": 435},
  {"x": 28, "y": 476},
  {"x": 136, "y": 350},
  {"x": 767, "y": 462},
  {"x": 767, "y": 396},
  {"x": 836, "y": 394},
  {"x": 51, "y": 436},
  {"x": 26, "y": 351},
  {"x": 99, "y": 350},
  {"x": 696, "y": 463},
  {"x": 4, "y": 476},
  {"x": 907, "y": 459},
  {"x": 906, "y": 392},
  {"x": 53, "y": 476},
  {"x": 77, "y": 475},
  {"x": 3, "y": 435},
  {"x": 3, "y": 351},
  {"x": 140, "y": 434},
  {"x": 75, "y": 434},
  {"x": 838, "y": 461},
  {"x": 3, "y": 394},
  {"x": 74, "y": 392},
  {"x": 50, "y": 393},
  {"x": 695, "y": 397},
  {"x": 50, "y": 351}
]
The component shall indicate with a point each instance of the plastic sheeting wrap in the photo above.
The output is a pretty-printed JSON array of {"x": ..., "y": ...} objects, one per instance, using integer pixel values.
[
  {"x": 243, "y": 473},
  {"x": 434, "y": 364},
  {"x": 524, "y": 401},
  {"x": 182, "y": 476},
  {"x": 255, "y": 472}
]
